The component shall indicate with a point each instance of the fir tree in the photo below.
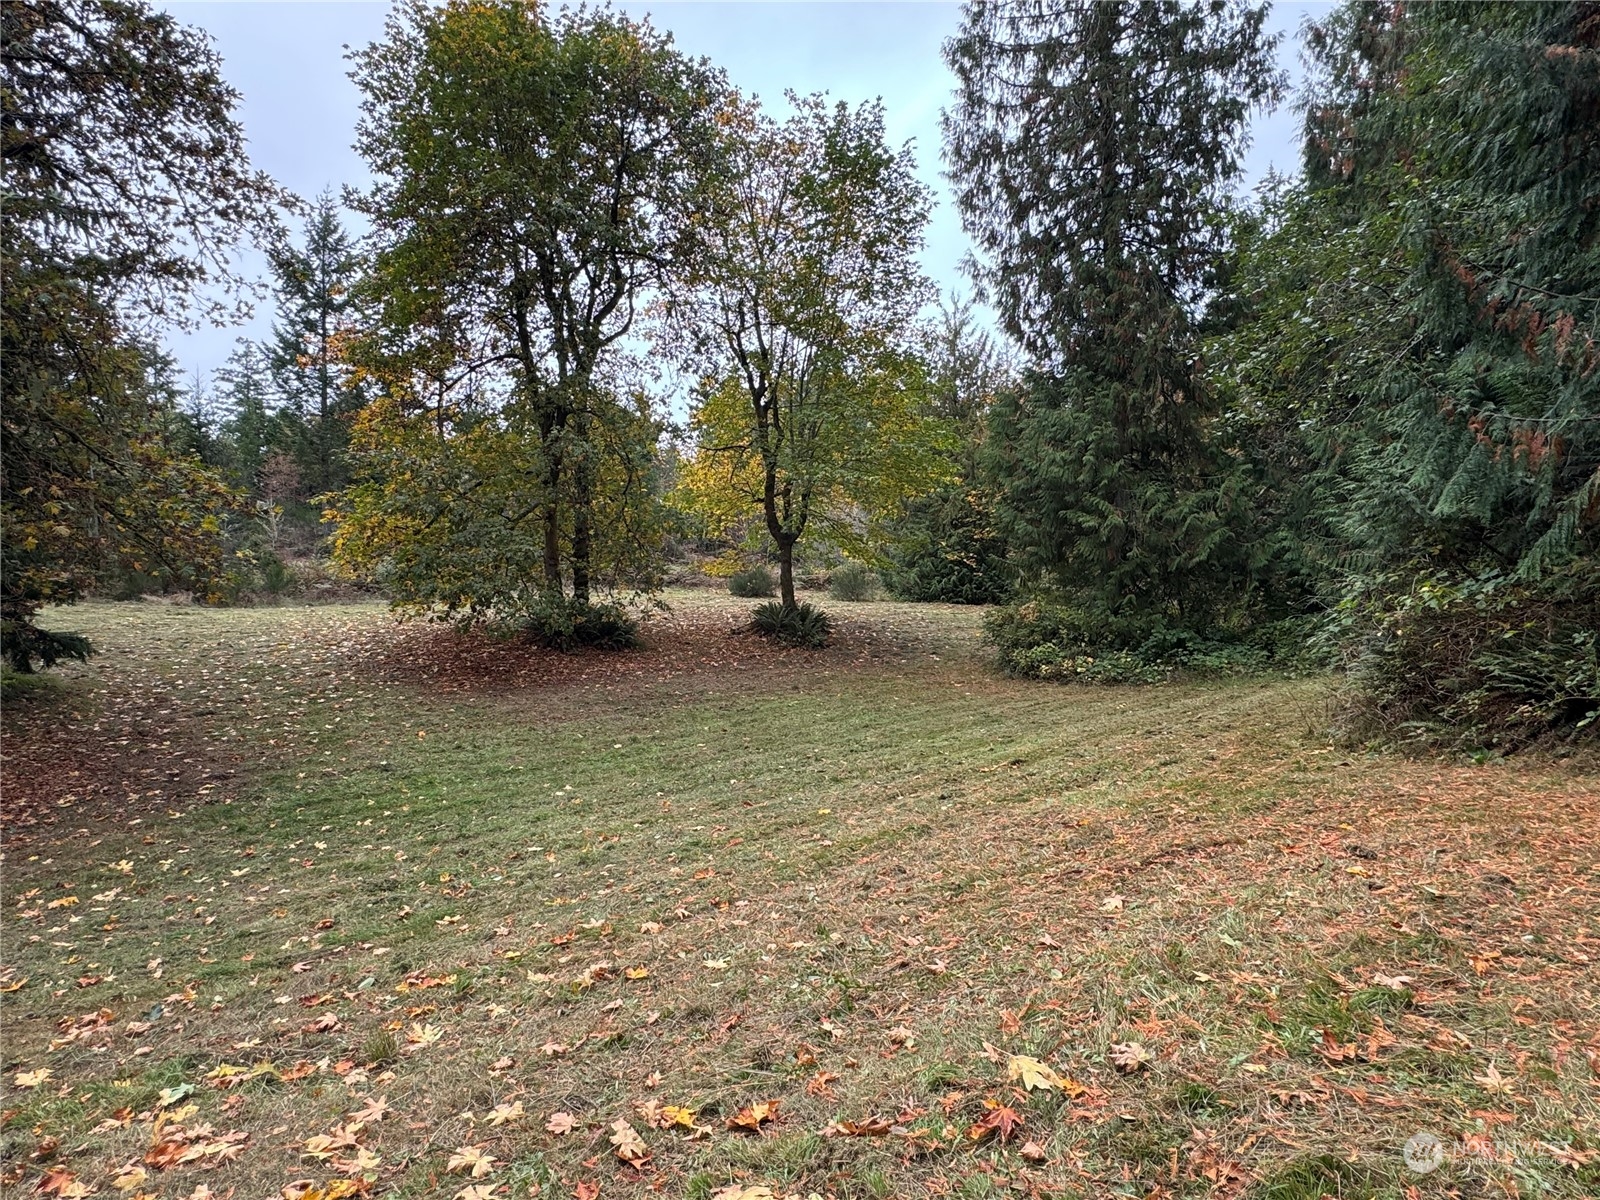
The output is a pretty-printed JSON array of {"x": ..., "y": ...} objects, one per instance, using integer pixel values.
[
  {"x": 315, "y": 286},
  {"x": 1091, "y": 144},
  {"x": 250, "y": 427}
]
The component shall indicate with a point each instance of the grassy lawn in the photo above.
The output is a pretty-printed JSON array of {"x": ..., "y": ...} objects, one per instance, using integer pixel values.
[{"x": 300, "y": 902}]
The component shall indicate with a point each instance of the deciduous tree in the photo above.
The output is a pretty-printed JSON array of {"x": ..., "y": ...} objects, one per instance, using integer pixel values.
[
  {"x": 126, "y": 188},
  {"x": 535, "y": 177},
  {"x": 801, "y": 309}
]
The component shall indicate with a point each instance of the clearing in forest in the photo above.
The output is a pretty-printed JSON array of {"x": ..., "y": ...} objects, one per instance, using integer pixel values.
[{"x": 298, "y": 902}]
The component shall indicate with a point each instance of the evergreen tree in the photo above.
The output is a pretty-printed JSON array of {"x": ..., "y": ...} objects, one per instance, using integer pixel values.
[
  {"x": 316, "y": 288},
  {"x": 1092, "y": 144},
  {"x": 1424, "y": 312},
  {"x": 945, "y": 546},
  {"x": 251, "y": 428},
  {"x": 1481, "y": 450}
]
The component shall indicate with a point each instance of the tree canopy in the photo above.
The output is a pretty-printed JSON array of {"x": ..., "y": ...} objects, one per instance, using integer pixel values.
[
  {"x": 535, "y": 183},
  {"x": 1092, "y": 145},
  {"x": 800, "y": 310},
  {"x": 126, "y": 188}
]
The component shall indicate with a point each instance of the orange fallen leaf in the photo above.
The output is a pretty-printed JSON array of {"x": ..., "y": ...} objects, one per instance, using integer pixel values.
[{"x": 753, "y": 1116}]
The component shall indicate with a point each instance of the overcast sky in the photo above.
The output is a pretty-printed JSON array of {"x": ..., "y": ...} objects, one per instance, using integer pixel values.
[{"x": 299, "y": 107}]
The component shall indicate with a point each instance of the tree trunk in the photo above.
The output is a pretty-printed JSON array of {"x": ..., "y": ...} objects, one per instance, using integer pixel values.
[
  {"x": 783, "y": 538},
  {"x": 786, "y": 570},
  {"x": 552, "y": 546},
  {"x": 582, "y": 502},
  {"x": 550, "y": 428}
]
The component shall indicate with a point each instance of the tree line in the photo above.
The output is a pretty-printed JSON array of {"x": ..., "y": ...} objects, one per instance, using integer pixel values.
[
  {"x": 1349, "y": 419},
  {"x": 1353, "y": 420}
]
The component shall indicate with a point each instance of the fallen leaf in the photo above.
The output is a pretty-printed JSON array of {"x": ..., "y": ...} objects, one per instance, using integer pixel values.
[
  {"x": 1332, "y": 1049},
  {"x": 998, "y": 1118},
  {"x": 1034, "y": 1075},
  {"x": 58, "y": 1180},
  {"x": 673, "y": 1114},
  {"x": 627, "y": 1144},
  {"x": 1129, "y": 1056},
  {"x": 375, "y": 1109},
  {"x": 129, "y": 1178},
  {"x": 471, "y": 1159},
  {"x": 506, "y": 1114},
  {"x": 561, "y": 1123},
  {"x": 1495, "y": 1083},
  {"x": 170, "y": 1096},
  {"x": 31, "y": 1079},
  {"x": 753, "y": 1116}
]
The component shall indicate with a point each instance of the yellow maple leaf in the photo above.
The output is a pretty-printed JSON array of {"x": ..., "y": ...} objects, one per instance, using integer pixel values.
[
  {"x": 473, "y": 1160},
  {"x": 1034, "y": 1075}
]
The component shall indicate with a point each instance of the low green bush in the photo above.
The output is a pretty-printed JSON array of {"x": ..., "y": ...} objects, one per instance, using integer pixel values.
[
  {"x": 803, "y": 625},
  {"x": 946, "y": 551},
  {"x": 1041, "y": 640},
  {"x": 567, "y": 626},
  {"x": 853, "y": 581},
  {"x": 752, "y": 583},
  {"x": 1485, "y": 662}
]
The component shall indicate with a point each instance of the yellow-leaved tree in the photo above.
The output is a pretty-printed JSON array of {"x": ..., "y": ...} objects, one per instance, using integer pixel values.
[{"x": 813, "y": 411}]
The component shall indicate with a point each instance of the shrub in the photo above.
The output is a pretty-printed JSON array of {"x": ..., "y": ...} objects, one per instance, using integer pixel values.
[
  {"x": 1480, "y": 662},
  {"x": 853, "y": 581},
  {"x": 277, "y": 577},
  {"x": 752, "y": 583},
  {"x": 1040, "y": 640},
  {"x": 567, "y": 626},
  {"x": 946, "y": 551},
  {"x": 803, "y": 625}
]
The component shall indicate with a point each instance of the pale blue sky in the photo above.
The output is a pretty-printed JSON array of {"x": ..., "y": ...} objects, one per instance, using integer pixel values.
[{"x": 299, "y": 107}]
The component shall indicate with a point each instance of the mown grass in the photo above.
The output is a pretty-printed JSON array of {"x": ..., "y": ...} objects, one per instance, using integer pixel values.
[{"x": 712, "y": 874}]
